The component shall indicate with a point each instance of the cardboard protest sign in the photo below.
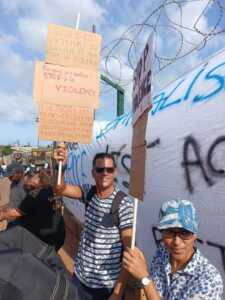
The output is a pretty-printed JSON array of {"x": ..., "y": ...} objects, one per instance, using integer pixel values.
[
  {"x": 67, "y": 86},
  {"x": 141, "y": 105},
  {"x": 74, "y": 48},
  {"x": 65, "y": 123},
  {"x": 142, "y": 82},
  {"x": 138, "y": 154}
]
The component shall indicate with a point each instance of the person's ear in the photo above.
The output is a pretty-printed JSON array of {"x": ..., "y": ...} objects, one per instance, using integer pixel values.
[
  {"x": 92, "y": 172},
  {"x": 195, "y": 237}
]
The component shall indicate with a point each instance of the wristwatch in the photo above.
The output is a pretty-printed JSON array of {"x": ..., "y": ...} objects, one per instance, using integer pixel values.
[{"x": 145, "y": 281}]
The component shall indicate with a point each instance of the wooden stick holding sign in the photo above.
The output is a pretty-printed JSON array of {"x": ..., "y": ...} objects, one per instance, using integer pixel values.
[
  {"x": 60, "y": 162},
  {"x": 59, "y": 173},
  {"x": 134, "y": 223},
  {"x": 78, "y": 21}
]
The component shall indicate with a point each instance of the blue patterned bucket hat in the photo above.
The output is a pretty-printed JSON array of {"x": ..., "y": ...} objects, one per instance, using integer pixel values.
[{"x": 178, "y": 213}]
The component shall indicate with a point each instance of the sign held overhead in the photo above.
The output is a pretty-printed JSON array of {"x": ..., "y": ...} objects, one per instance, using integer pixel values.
[
  {"x": 142, "y": 82},
  {"x": 65, "y": 85},
  {"x": 73, "y": 48},
  {"x": 65, "y": 123}
]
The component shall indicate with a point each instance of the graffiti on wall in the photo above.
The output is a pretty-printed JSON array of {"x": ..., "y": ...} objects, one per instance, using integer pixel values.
[{"x": 192, "y": 149}]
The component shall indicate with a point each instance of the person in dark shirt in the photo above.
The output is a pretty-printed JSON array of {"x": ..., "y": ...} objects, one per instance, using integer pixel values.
[
  {"x": 15, "y": 173},
  {"x": 36, "y": 212}
]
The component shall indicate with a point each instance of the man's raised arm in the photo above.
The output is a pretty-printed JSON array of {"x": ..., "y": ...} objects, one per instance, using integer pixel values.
[{"x": 68, "y": 190}]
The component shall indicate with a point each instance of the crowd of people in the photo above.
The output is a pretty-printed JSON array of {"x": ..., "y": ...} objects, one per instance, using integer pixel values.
[
  {"x": 105, "y": 263},
  {"x": 31, "y": 205}
]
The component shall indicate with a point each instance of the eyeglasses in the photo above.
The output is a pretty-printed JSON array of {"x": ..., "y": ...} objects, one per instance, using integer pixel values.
[
  {"x": 182, "y": 233},
  {"x": 104, "y": 169}
]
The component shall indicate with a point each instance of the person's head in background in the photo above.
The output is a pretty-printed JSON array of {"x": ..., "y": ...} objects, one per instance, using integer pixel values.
[
  {"x": 15, "y": 172},
  {"x": 37, "y": 180}
]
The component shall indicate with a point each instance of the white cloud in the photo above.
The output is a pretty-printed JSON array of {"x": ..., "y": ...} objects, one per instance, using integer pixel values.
[
  {"x": 180, "y": 37},
  {"x": 12, "y": 64},
  {"x": 12, "y": 6},
  {"x": 16, "y": 107},
  {"x": 191, "y": 16},
  {"x": 16, "y": 77},
  {"x": 7, "y": 40},
  {"x": 193, "y": 24},
  {"x": 17, "y": 48},
  {"x": 32, "y": 23},
  {"x": 27, "y": 27}
]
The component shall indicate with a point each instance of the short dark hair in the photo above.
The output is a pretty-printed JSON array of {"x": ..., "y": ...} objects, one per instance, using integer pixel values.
[
  {"x": 13, "y": 168},
  {"x": 102, "y": 155}
]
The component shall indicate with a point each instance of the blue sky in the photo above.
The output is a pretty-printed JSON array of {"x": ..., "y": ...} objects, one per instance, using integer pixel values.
[{"x": 23, "y": 29}]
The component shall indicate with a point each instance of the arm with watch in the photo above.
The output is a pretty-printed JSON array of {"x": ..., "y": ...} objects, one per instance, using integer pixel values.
[{"x": 134, "y": 262}]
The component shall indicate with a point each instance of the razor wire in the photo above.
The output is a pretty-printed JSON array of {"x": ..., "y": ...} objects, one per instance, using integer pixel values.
[{"x": 126, "y": 50}]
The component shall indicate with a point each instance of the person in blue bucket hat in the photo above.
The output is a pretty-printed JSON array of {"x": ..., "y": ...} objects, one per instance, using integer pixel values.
[
  {"x": 178, "y": 271},
  {"x": 178, "y": 214}
]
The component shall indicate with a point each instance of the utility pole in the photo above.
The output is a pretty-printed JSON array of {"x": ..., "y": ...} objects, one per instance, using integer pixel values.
[{"x": 37, "y": 120}]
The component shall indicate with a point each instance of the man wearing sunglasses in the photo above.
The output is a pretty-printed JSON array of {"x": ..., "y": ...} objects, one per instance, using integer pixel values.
[
  {"x": 98, "y": 273},
  {"x": 178, "y": 271}
]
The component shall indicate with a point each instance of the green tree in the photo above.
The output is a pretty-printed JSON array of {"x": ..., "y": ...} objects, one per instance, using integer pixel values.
[{"x": 6, "y": 150}]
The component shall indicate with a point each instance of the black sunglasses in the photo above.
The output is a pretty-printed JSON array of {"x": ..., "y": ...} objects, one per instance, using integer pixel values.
[
  {"x": 182, "y": 233},
  {"x": 104, "y": 169}
]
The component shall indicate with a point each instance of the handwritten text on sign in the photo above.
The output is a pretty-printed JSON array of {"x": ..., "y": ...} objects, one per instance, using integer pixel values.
[
  {"x": 68, "y": 86},
  {"x": 69, "y": 47},
  {"x": 65, "y": 123},
  {"x": 142, "y": 82}
]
